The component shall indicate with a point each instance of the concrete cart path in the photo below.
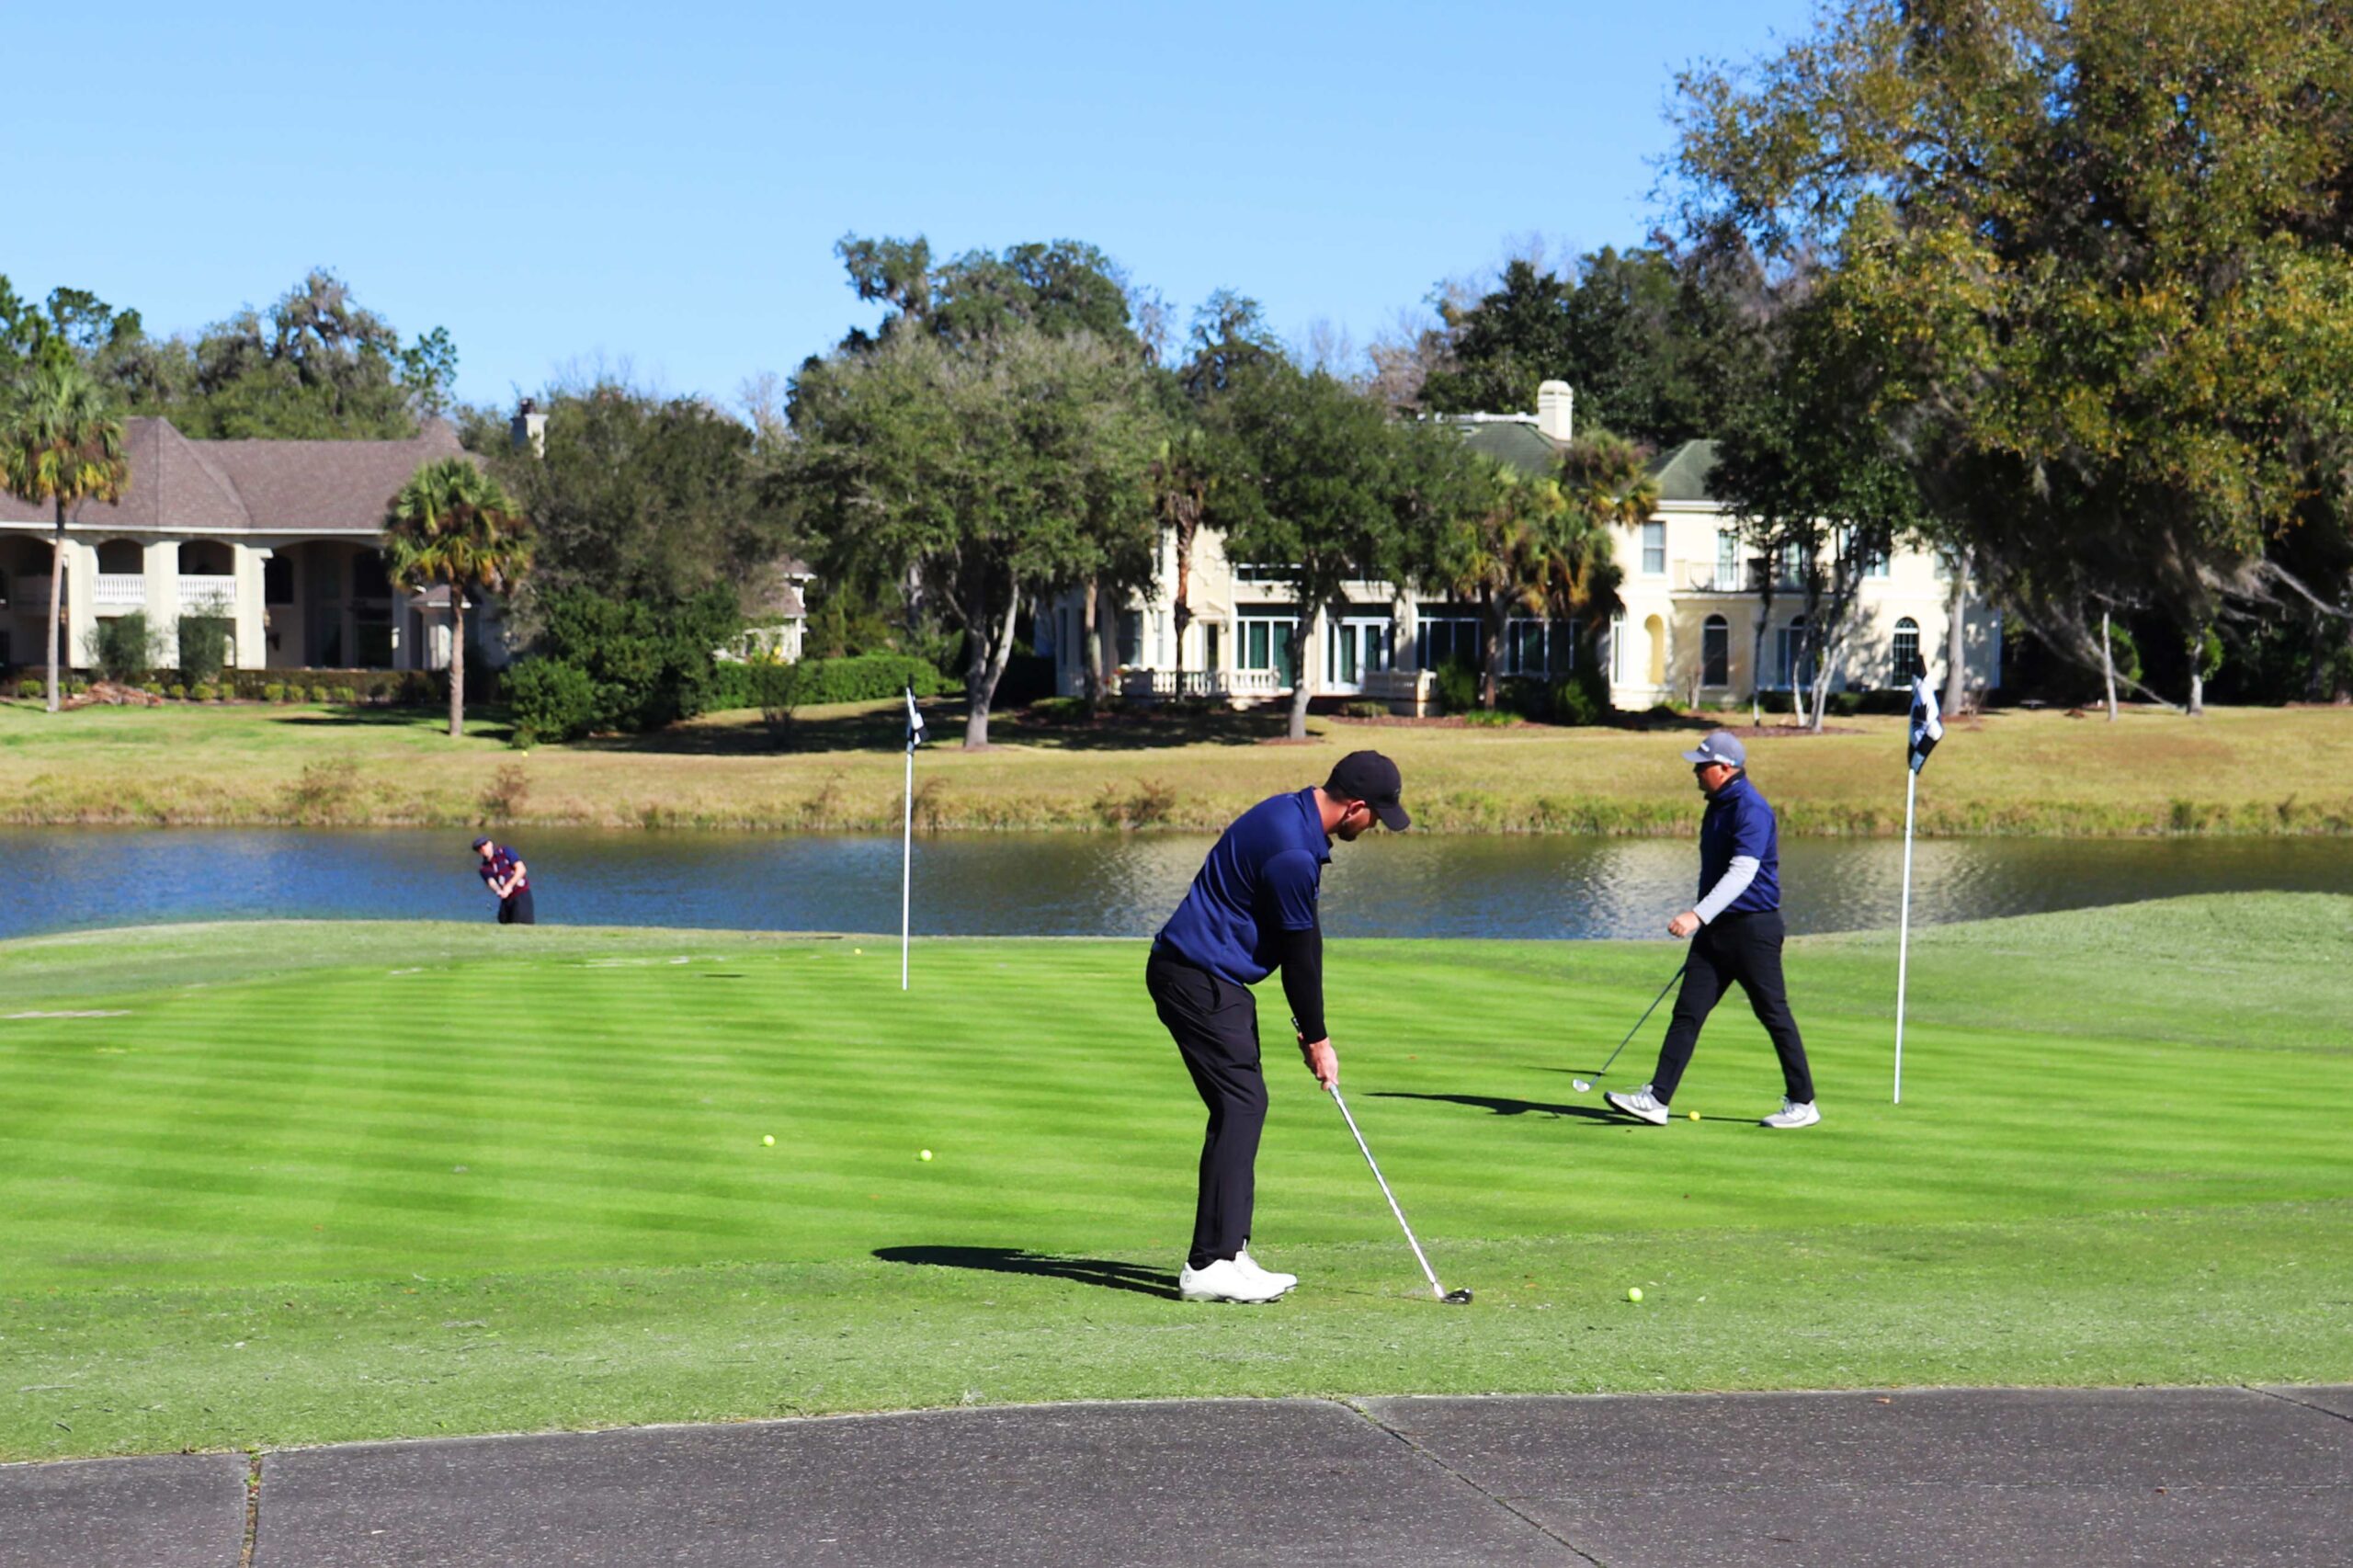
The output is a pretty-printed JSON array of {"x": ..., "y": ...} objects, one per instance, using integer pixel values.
[{"x": 2176, "y": 1477}]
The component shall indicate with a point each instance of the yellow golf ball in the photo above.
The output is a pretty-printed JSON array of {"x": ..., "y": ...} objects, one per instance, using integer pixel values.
[
  {"x": 1695, "y": 1116},
  {"x": 1633, "y": 1293},
  {"x": 769, "y": 1140},
  {"x": 858, "y": 949},
  {"x": 922, "y": 1154}
]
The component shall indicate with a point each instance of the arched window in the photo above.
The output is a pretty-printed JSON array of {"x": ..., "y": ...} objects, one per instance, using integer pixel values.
[
  {"x": 1654, "y": 630},
  {"x": 1715, "y": 651},
  {"x": 121, "y": 557},
  {"x": 1906, "y": 652}
]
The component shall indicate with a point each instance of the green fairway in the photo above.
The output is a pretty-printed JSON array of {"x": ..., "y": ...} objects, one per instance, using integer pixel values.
[{"x": 306, "y": 1182}]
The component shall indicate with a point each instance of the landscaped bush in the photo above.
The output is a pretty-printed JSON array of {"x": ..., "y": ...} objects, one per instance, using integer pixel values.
[
  {"x": 1458, "y": 687},
  {"x": 204, "y": 648},
  {"x": 1582, "y": 699},
  {"x": 179, "y": 692},
  {"x": 648, "y": 665},
  {"x": 201, "y": 692},
  {"x": 551, "y": 700},
  {"x": 347, "y": 695},
  {"x": 34, "y": 688},
  {"x": 1364, "y": 710},
  {"x": 123, "y": 648},
  {"x": 273, "y": 692},
  {"x": 1524, "y": 696},
  {"x": 862, "y": 678},
  {"x": 1481, "y": 719}
]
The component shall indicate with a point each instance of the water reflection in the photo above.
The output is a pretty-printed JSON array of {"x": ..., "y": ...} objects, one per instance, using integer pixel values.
[{"x": 1044, "y": 884}]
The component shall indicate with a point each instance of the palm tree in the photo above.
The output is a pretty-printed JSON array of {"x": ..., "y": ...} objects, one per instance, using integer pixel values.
[
  {"x": 1497, "y": 557},
  {"x": 60, "y": 443},
  {"x": 1607, "y": 485},
  {"x": 453, "y": 525},
  {"x": 1180, "y": 476}
]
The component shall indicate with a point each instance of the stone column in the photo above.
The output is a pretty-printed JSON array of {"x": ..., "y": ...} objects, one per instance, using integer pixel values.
[{"x": 244, "y": 571}]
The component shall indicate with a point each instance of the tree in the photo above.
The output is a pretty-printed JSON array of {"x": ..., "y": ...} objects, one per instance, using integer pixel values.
[
  {"x": 1325, "y": 484},
  {"x": 454, "y": 526},
  {"x": 1607, "y": 486},
  {"x": 638, "y": 497},
  {"x": 1183, "y": 473},
  {"x": 987, "y": 474},
  {"x": 1059, "y": 289},
  {"x": 1496, "y": 557},
  {"x": 2097, "y": 250},
  {"x": 60, "y": 443}
]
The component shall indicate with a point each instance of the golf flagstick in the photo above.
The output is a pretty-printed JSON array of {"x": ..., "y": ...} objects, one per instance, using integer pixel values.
[
  {"x": 1927, "y": 729},
  {"x": 907, "y": 832}
]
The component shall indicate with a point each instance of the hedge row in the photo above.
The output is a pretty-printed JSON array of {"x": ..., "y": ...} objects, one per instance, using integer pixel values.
[{"x": 864, "y": 678}]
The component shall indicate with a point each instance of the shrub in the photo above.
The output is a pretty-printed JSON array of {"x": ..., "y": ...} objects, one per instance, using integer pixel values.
[
  {"x": 202, "y": 691},
  {"x": 76, "y": 687},
  {"x": 1526, "y": 696},
  {"x": 124, "y": 648},
  {"x": 1479, "y": 718},
  {"x": 1059, "y": 710},
  {"x": 551, "y": 700},
  {"x": 34, "y": 687},
  {"x": 1458, "y": 687},
  {"x": 346, "y": 696},
  {"x": 1364, "y": 710},
  {"x": 1582, "y": 699},
  {"x": 179, "y": 692},
  {"x": 510, "y": 788},
  {"x": 274, "y": 691},
  {"x": 862, "y": 678},
  {"x": 648, "y": 665},
  {"x": 204, "y": 648}
]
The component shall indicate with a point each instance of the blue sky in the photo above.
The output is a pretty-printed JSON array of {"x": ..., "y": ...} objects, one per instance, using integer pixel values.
[{"x": 662, "y": 186}]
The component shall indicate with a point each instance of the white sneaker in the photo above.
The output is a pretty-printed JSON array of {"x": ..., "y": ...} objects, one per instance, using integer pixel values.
[
  {"x": 1225, "y": 1280},
  {"x": 1641, "y": 1105},
  {"x": 1250, "y": 1266},
  {"x": 1792, "y": 1114}
]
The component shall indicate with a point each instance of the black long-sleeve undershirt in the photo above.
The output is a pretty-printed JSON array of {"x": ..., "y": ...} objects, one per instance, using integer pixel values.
[{"x": 1302, "y": 967}]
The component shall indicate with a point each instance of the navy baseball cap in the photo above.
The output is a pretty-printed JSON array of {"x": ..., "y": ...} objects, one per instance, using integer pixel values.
[
  {"x": 480, "y": 842},
  {"x": 1372, "y": 777},
  {"x": 1721, "y": 745}
]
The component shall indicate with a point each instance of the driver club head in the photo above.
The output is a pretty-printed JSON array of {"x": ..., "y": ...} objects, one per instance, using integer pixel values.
[{"x": 1457, "y": 1298}]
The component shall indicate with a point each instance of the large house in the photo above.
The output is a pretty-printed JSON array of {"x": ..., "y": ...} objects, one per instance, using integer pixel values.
[
  {"x": 1693, "y": 596},
  {"x": 278, "y": 538}
]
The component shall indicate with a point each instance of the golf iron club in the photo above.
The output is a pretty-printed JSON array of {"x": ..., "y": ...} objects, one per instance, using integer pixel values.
[
  {"x": 1579, "y": 1084},
  {"x": 1452, "y": 1298}
]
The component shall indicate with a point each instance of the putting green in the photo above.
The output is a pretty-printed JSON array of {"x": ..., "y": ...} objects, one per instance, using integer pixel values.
[{"x": 304, "y": 1182}]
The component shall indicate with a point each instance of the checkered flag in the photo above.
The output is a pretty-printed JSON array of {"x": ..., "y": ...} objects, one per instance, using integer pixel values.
[
  {"x": 914, "y": 721},
  {"x": 1927, "y": 729}
]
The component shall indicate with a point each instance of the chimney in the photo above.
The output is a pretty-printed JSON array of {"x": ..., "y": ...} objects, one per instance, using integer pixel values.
[
  {"x": 1555, "y": 404},
  {"x": 530, "y": 429}
]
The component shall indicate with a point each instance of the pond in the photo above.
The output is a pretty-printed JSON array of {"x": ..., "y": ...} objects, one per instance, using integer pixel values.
[{"x": 1078, "y": 884}]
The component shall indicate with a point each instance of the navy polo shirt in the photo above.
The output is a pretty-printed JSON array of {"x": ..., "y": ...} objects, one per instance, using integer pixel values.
[
  {"x": 1259, "y": 880},
  {"x": 1740, "y": 823}
]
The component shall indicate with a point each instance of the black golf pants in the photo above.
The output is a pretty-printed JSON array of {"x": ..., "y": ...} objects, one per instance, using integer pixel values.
[
  {"x": 1748, "y": 949},
  {"x": 1215, "y": 1024},
  {"x": 516, "y": 909}
]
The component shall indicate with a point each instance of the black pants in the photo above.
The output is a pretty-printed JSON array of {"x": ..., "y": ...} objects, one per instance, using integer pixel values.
[
  {"x": 1215, "y": 1022},
  {"x": 515, "y": 908},
  {"x": 1748, "y": 949}
]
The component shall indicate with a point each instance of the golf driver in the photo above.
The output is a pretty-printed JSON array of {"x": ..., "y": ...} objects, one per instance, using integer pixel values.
[
  {"x": 1452, "y": 1297},
  {"x": 1579, "y": 1084}
]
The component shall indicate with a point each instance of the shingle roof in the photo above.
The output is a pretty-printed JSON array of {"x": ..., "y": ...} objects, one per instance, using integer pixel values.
[
  {"x": 1682, "y": 475},
  {"x": 1514, "y": 444},
  {"x": 265, "y": 486}
]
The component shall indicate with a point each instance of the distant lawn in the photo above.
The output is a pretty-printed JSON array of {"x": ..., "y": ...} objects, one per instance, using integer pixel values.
[
  {"x": 2235, "y": 771},
  {"x": 305, "y": 1182}
]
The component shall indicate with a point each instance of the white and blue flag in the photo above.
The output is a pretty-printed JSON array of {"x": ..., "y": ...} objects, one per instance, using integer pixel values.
[
  {"x": 914, "y": 721},
  {"x": 1927, "y": 728}
]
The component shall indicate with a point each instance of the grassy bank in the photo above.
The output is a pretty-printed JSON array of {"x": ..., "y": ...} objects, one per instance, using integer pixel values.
[
  {"x": 2249, "y": 771},
  {"x": 298, "y": 1183}
]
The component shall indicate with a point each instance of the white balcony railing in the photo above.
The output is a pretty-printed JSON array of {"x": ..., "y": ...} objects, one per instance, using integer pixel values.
[
  {"x": 122, "y": 590},
  {"x": 203, "y": 596},
  {"x": 1164, "y": 684}
]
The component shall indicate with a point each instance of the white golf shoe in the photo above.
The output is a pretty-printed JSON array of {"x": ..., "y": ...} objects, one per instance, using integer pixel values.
[
  {"x": 1251, "y": 1266},
  {"x": 1793, "y": 1114},
  {"x": 1226, "y": 1281},
  {"x": 1641, "y": 1105}
]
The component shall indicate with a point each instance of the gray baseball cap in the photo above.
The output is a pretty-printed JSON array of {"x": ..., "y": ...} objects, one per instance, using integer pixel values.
[{"x": 1721, "y": 745}]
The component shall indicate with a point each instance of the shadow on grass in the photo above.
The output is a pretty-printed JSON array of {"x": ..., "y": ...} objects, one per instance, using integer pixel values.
[
  {"x": 1501, "y": 1106},
  {"x": 1105, "y": 1272},
  {"x": 881, "y": 729},
  {"x": 491, "y": 724}
]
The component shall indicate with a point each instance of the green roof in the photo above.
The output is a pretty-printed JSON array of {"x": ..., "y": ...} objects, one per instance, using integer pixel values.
[
  {"x": 1513, "y": 444},
  {"x": 1682, "y": 475}
]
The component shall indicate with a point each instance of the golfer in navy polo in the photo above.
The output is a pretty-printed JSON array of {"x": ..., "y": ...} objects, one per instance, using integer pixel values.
[
  {"x": 1736, "y": 935},
  {"x": 1252, "y": 911},
  {"x": 509, "y": 880}
]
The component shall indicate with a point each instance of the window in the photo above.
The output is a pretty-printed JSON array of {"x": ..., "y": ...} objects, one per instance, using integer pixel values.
[
  {"x": 1715, "y": 651},
  {"x": 368, "y": 580},
  {"x": 1264, "y": 572},
  {"x": 1265, "y": 645},
  {"x": 278, "y": 580},
  {"x": 1132, "y": 637},
  {"x": 1792, "y": 566},
  {"x": 1796, "y": 654},
  {"x": 1655, "y": 548},
  {"x": 1906, "y": 650},
  {"x": 1356, "y": 648},
  {"x": 1209, "y": 646},
  {"x": 1440, "y": 639},
  {"x": 1728, "y": 559},
  {"x": 1525, "y": 646}
]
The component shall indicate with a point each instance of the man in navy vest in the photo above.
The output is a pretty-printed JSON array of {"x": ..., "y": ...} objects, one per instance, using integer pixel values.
[
  {"x": 1736, "y": 935},
  {"x": 1252, "y": 911},
  {"x": 509, "y": 881}
]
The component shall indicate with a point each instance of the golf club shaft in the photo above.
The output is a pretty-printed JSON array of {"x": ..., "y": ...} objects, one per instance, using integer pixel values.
[
  {"x": 1645, "y": 1017},
  {"x": 1427, "y": 1272}
]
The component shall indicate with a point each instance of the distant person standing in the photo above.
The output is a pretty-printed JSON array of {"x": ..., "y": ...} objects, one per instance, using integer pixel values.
[
  {"x": 1252, "y": 910},
  {"x": 1736, "y": 935},
  {"x": 509, "y": 880}
]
